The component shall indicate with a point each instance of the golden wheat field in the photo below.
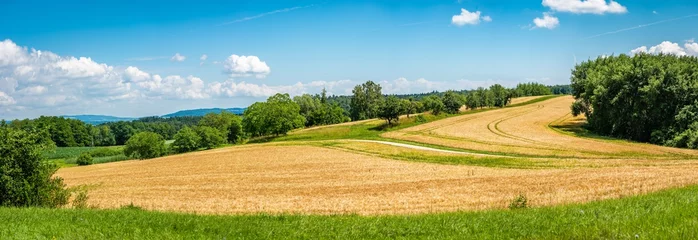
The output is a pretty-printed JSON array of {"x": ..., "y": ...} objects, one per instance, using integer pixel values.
[{"x": 368, "y": 178}]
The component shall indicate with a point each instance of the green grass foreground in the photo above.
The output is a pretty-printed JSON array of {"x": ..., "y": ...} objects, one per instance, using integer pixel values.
[{"x": 670, "y": 214}]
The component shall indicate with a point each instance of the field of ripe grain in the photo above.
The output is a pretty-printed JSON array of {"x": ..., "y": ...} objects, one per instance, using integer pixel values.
[
  {"x": 529, "y": 131},
  {"x": 319, "y": 180}
]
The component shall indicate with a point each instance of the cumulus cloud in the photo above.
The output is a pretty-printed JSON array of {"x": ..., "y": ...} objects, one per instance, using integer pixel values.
[
  {"x": 178, "y": 58},
  {"x": 136, "y": 75},
  {"x": 586, "y": 6},
  {"x": 245, "y": 66},
  {"x": 668, "y": 47},
  {"x": 174, "y": 86},
  {"x": 691, "y": 47},
  {"x": 203, "y": 57},
  {"x": 11, "y": 54},
  {"x": 469, "y": 18},
  {"x": 548, "y": 21}
]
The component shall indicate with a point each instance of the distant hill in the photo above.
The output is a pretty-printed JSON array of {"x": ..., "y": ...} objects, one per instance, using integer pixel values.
[
  {"x": 204, "y": 111},
  {"x": 98, "y": 119}
]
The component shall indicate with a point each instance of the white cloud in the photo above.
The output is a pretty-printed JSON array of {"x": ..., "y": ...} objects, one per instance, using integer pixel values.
[
  {"x": 6, "y": 100},
  {"x": 691, "y": 47},
  {"x": 174, "y": 87},
  {"x": 178, "y": 58},
  {"x": 244, "y": 66},
  {"x": 469, "y": 18},
  {"x": 548, "y": 21},
  {"x": 655, "y": 12},
  {"x": 136, "y": 75},
  {"x": 11, "y": 54},
  {"x": 203, "y": 57},
  {"x": 33, "y": 90},
  {"x": 666, "y": 47},
  {"x": 585, "y": 6}
]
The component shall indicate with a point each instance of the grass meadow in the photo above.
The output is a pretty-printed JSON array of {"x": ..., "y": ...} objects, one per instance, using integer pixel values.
[{"x": 669, "y": 214}]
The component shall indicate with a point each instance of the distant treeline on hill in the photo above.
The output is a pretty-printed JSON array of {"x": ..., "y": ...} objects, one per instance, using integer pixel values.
[{"x": 278, "y": 115}]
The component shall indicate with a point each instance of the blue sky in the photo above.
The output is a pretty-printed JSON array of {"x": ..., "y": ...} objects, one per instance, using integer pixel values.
[{"x": 118, "y": 57}]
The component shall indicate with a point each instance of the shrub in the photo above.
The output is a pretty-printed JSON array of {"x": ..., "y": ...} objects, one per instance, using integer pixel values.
[
  {"x": 420, "y": 119},
  {"x": 106, "y": 152},
  {"x": 145, "y": 145},
  {"x": 519, "y": 202},
  {"x": 186, "y": 140},
  {"x": 84, "y": 159},
  {"x": 25, "y": 178}
]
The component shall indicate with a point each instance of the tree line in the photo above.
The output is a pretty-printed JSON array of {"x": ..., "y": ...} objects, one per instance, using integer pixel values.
[
  {"x": 647, "y": 98},
  {"x": 66, "y": 132}
]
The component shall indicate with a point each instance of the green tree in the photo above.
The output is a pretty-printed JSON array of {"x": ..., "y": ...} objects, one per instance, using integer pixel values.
[
  {"x": 366, "y": 101},
  {"x": 227, "y": 123},
  {"x": 186, "y": 140},
  {"x": 26, "y": 179},
  {"x": 501, "y": 96},
  {"x": 145, "y": 145},
  {"x": 209, "y": 137},
  {"x": 647, "y": 98},
  {"x": 391, "y": 109},
  {"x": 278, "y": 115},
  {"x": 453, "y": 101},
  {"x": 434, "y": 104}
]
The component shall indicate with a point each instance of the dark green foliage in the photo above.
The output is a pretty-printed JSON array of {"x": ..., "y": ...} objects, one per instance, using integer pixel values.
[
  {"x": 318, "y": 111},
  {"x": 390, "y": 109},
  {"x": 106, "y": 151},
  {"x": 561, "y": 89},
  {"x": 420, "y": 119},
  {"x": 453, "y": 102},
  {"x": 209, "y": 137},
  {"x": 501, "y": 95},
  {"x": 25, "y": 178},
  {"x": 278, "y": 115},
  {"x": 84, "y": 159},
  {"x": 647, "y": 98},
  {"x": 165, "y": 127},
  {"x": 145, "y": 145},
  {"x": 531, "y": 89},
  {"x": 434, "y": 104},
  {"x": 228, "y": 124},
  {"x": 186, "y": 140},
  {"x": 366, "y": 100}
]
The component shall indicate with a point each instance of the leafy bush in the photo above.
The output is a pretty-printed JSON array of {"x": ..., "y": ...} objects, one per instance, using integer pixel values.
[
  {"x": 106, "y": 151},
  {"x": 420, "y": 119},
  {"x": 84, "y": 159},
  {"x": 145, "y": 145},
  {"x": 25, "y": 178},
  {"x": 519, "y": 202}
]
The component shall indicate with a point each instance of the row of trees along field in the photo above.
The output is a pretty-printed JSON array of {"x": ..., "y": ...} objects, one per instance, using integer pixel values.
[
  {"x": 276, "y": 116},
  {"x": 647, "y": 98},
  {"x": 65, "y": 132}
]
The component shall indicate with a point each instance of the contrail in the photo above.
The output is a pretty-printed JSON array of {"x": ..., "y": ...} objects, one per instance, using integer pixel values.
[
  {"x": 641, "y": 26},
  {"x": 266, "y": 14}
]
